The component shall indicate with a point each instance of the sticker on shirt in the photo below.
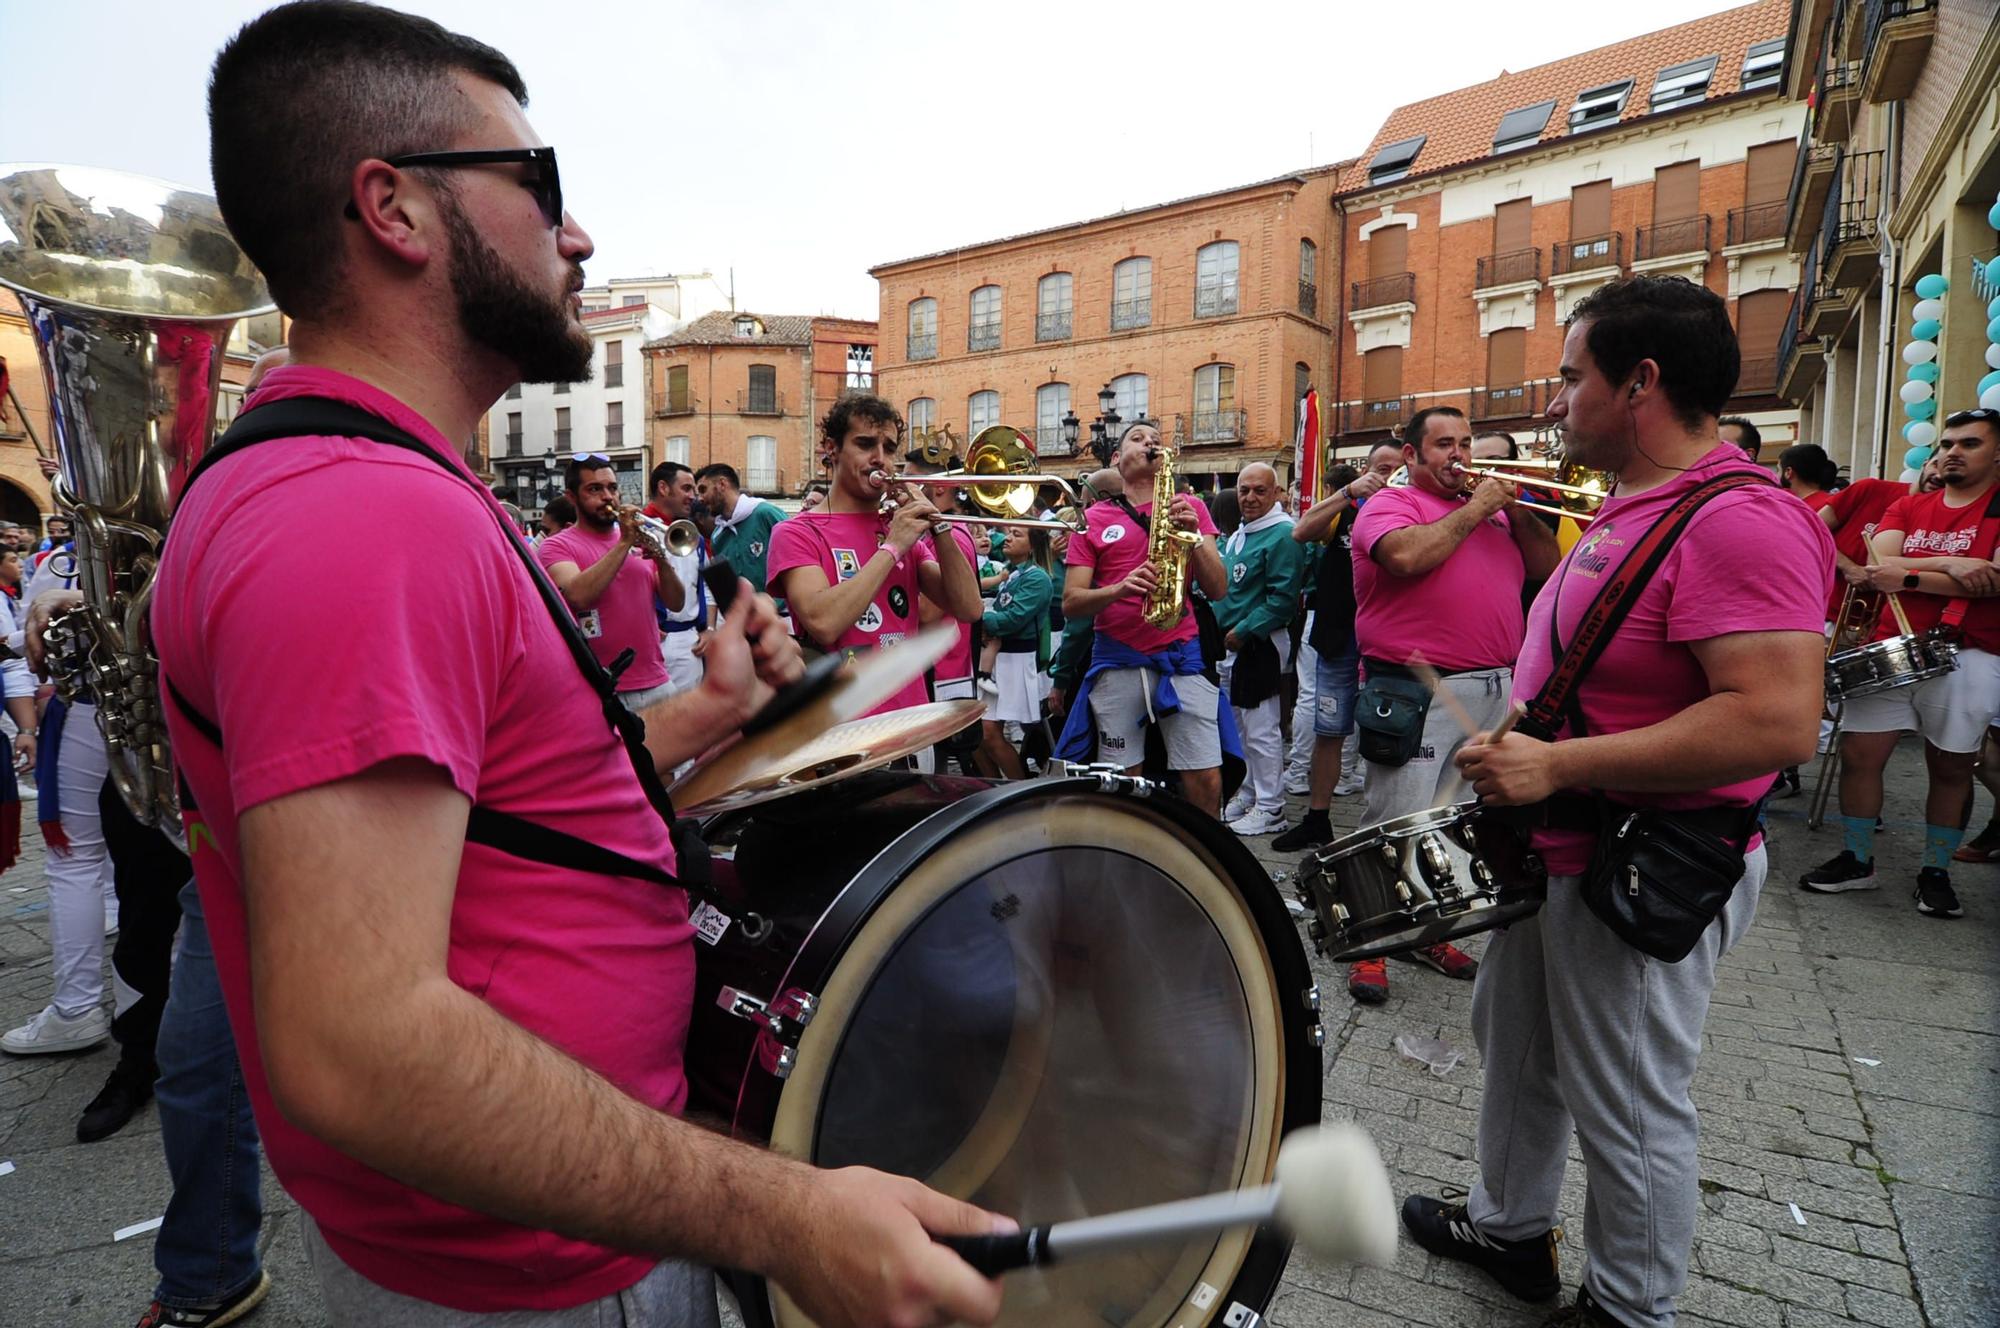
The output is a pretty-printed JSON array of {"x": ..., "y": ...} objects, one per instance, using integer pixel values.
[
  {"x": 1594, "y": 552},
  {"x": 871, "y": 621},
  {"x": 1236, "y": 573},
  {"x": 1005, "y": 598},
  {"x": 1112, "y": 534},
  {"x": 756, "y": 549},
  {"x": 589, "y": 624},
  {"x": 899, "y": 601},
  {"x": 891, "y": 639},
  {"x": 845, "y": 565},
  {"x": 709, "y": 922}
]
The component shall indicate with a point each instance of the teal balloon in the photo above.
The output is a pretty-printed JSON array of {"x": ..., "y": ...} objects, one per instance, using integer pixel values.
[
  {"x": 1993, "y": 309},
  {"x": 1924, "y": 373},
  {"x": 1993, "y": 216},
  {"x": 1920, "y": 410},
  {"x": 1989, "y": 381},
  {"x": 1927, "y": 330},
  {"x": 1993, "y": 275},
  {"x": 1993, "y": 328},
  {"x": 1932, "y": 286},
  {"x": 1915, "y": 457}
]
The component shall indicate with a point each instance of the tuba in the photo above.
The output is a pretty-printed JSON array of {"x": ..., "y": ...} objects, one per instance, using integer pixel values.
[{"x": 131, "y": 287}]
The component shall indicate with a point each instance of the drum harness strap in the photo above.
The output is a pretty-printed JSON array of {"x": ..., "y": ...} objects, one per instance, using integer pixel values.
[
  {"x": 1982, "y": 548},
  {"x": 1557, "y": 704},
  {"x": 503, "y": 831}
]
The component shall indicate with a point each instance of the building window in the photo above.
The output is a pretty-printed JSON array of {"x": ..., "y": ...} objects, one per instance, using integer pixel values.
[
  {"x": 1215, "y": 279},
  {"x": 514, "y": 392},
  {"x": 562, "y": 389},
  {"x": 983, "y": 332},
  {"x": 1134, "y": 397},
  {"x": 922, "y": 414},
  {"x": 923, "y": 330},
  {"x": 631, "y": 301},
  {"x": 1132, "y": 294},
  {"x": 1763, "y": 65},
  {"x": 763, "y": 395},
  {"x": 762, "y": 459},
  {"x": 982, "y": 410},
  {"x": 614, "y": 364},
  {"x": 1522, "y": 128},
  {"x": 1053, "y": 306},
  {"x": 1760, "y": 321},
  {"x": 1308, "y": 278},
  {"x": 677, "y": 449},
  {"x": 513, "y": 433},
  {"x": 861, "y": 368},
  {"x": 562, "y": 429},
  {"x": 1215, "y": 416},
  {"x": 1302, "y": 381},
  {"x": 1506, "y": 361},
  {"x": 614, "y": 424},
  {"x": 1683, "y": 84},
  {"x": 1381, "y": 389},
  {"x": 1051, "y": 404},
  {"x": 746, "y": 326},
  {"x": 1394, "y": 161},
  {"x": 678, "y": 400},
  {"x": 1599, "y": 105}
]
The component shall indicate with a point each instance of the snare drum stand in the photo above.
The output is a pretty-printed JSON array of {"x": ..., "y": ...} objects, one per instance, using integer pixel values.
[{"x": 1829, "y": 772}]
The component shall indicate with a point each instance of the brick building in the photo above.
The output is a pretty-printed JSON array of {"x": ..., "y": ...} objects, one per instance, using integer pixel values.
[
  {"x": 1210, "y": 314},
  {"x": 748, "y": 389},
  {"x": 1475, "y": 221},
  {"x": 1892, "y": 179}
]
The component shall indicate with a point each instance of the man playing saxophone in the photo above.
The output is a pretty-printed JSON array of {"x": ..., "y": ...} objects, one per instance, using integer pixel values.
[{"x": 1141, "y": 671}]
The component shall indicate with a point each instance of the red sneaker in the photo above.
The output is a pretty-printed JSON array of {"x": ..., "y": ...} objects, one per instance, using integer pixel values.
[
  {"x": 1368, "y": 981},
  {"x": 1447, "y": 959}
]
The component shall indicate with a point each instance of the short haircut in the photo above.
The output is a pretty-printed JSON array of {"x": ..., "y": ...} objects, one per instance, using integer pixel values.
[
  {"x": 663, "y": 474},
  {"x": 1811, "y": 462},
  {"x": 1682, "y": 327},
  {"x": 561, "y": 509},
  {"x": 1342, "y": 475},
  {"x": 1513, "y": 448},
  {"x": 1977, "y": 418},
  {"x": 302, "y": 95},
  {"x": 834, "y": 427},
  {"x": 578, "y": 467},
  {"x": 1420, "y": 423},
  {"x": 722, "y": 470},
  {"x": 1753, "y": 441}
]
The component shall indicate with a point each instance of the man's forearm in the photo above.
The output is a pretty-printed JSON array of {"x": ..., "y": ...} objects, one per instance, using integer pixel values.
[
  {"x": 668, "y": 586},
  {"x": 21, "y": 709},
  {"x": 588, "y": 585},
  {"x": 1415, "y": 550},
  {"x": 684, "y": 725},
  {"x": 1089, "y": 603},
  {"x": 1719, "y": 740},
  {"x": 960, "y": 581},
  {"x": 1319, "y": 517}
]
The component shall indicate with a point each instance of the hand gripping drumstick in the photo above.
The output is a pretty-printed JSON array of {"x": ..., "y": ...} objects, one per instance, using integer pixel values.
[
  {"x": 1895, "y": 604},
  {"x": 1332, "y": 1193}
]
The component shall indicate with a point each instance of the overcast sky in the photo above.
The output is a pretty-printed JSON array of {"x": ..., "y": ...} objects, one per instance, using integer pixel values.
[{"x": 800, "y": 143}]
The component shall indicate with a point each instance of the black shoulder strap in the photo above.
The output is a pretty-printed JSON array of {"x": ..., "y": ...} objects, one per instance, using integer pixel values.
[{"x": 1557, "y": 699}]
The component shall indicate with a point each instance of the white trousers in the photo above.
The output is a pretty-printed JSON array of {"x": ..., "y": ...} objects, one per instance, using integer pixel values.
[
  {"x": 684, "y": 667},
  {"x": 1308, "y": 701},
  {"x": 79, "y": 878},
  {"x": 1263, "y": 747}
]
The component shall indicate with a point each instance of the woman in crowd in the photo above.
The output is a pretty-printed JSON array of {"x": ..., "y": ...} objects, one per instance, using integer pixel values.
[{"x": 1019, "y": 621}]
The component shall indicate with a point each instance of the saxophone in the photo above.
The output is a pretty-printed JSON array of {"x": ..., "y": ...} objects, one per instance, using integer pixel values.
[{"x": 1167, "y": 550}]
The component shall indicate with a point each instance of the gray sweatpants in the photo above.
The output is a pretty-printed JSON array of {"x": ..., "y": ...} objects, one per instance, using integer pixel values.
[
  {"x": 1579, "y": 1030},
  {"x": 1429, "y": 778},
  {"x": 673, "y": 1295}
]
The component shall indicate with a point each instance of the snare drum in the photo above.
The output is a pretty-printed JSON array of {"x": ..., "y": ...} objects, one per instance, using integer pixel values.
[
  {"x": 1881, "y": 666},
  {"x": 1416, "y": 880},
  {"x": 1054, "y": 998}
]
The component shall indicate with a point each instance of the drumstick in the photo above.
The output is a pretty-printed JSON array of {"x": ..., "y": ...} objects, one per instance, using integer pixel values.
[
  {"x": 1428, "y": 676},
  {"x": 1895, "y": 605},
  {"x": 1332, "y": 1193}
]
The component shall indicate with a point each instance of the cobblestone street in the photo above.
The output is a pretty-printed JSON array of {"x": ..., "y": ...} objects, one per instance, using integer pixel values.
[{"x": 1847, "y": 1089}]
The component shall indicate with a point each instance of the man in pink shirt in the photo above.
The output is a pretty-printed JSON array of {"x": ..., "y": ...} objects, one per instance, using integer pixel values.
[
  {"x": 1438, "y": 570},
  {"x": 609, "y": 579},
  {"x": 1704, "y": 692},
  {"x": 465, "y": 1064}
]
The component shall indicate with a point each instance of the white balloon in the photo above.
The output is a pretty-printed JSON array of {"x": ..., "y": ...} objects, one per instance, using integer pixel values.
[
  {"x": 1916, "y": 390},
  {"x": 1919, "y": 352},
  {"x": 1927, "y": 309},
  {"x": 1922, "y": 434},
  {"x": 1907, "y": 477},
  {"x": 1990, "y": 398},
  {"x": 1993, "y": 354}
]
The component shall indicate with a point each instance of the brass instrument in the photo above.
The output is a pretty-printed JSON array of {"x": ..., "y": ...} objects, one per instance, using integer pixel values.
[
  {"x": 1167, "y": 549},
  {"x": 677, "y": 540},
  {"x": 131, "y": 287},
  {"x": 999, "y": 452}
]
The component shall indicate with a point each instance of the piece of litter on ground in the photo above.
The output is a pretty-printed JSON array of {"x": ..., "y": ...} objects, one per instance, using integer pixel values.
[
  {"x": 1866, "y": 1060},
  {"x": 1435, "y": 1053},
  {"x": 6, "y": 1168},
  {"x": 137, "y": 1229},
  {"x": 17, "y": 889},
  {"x": 1797, "y": 1216}
]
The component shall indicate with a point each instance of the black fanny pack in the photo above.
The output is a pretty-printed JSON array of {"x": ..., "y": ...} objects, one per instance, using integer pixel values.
[
  {"x": 1389, "y": 712},
  {"x": 1658, "y": 878}
]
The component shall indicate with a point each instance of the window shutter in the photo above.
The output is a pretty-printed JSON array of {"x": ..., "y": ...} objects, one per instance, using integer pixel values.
[
  {"x": 1769, "y": 175},
  {"x": 1760, "y": 317},
  {"x": 1590, "y": 209},
  {"x": 1389, "y": 251},
  {"x": 1676, "y": 193},
  {"x": 1382, "y": 372},
  {"x": 1506, "y": 357},
  {"x": 1513, "y": 226}
]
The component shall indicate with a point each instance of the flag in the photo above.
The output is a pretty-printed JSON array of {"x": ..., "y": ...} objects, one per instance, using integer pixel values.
[{"x": 1307, "y": 463}]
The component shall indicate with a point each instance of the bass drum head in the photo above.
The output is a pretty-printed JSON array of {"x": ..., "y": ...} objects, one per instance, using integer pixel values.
[{"x": 1067, "y": 1005}]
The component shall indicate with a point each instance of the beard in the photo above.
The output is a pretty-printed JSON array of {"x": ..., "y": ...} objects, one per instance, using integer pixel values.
[{"x": 535, "y": 332}]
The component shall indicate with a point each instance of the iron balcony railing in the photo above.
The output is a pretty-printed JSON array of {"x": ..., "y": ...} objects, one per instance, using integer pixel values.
[
  {"x": 1665, "y": 239},
  {"x": 1213, "y": 426},
  {"x": 1811, "y": 154},
  {"x": 676, "y": 405},
  {"x": 1215, "y": 301},
  {"x": 1370, "y": 416},
  {"x": 1759, "y": 378},
  {"x": 984, "y": 335},
  {"x": 1309, "y": 298},
  {"x": 1127, "y": 314},
  {"x": 1511, "y": 402},
  {"x": 1759, "y": 221},
  {"x": 1053, "y": 326},
  {"x": 1876, "y": 13},
  {"x": 1859, "y": 186},
  {"x": 756, "y": 402},
  {"x": 1582, "y": 253},
  {"x": 1510, "y": 268},
  {"x": 1396, "y": 288},
  {"x": 921, "y": 346}
]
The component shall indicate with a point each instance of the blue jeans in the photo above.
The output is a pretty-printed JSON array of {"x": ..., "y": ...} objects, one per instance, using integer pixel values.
[{"x": 207, "y": 1247}]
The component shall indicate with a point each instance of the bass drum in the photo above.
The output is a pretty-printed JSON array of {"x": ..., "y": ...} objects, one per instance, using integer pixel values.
[{"x": 1053, "y": 998}]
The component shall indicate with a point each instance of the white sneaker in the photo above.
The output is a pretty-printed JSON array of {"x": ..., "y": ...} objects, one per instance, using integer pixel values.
[
  {"x": 1257, "y": 821},
  {"x": 1297, "y": 780},
  {"x": 50, "y": 1031},
  {"x": 1239, "y": 807},
  {"x": 1346, "y": 787}
]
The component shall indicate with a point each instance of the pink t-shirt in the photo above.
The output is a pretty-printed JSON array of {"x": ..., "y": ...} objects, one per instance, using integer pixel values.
[
  {"x": 1112, "y": 546},
  {"x": 957, "y": 662},
  {"x": 444, "y": 652},
  {"x": 840, "y": 545},
  {"x": 623, "y": 618},
  {"x": 1752, "y": 560},
  {"x": 1465, "y": 613}
]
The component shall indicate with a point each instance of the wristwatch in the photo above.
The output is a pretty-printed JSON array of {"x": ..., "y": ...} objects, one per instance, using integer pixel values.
[{"x": 1909, "y": 580}]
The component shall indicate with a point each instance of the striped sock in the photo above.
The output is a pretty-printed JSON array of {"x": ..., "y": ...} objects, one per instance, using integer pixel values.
[
  {"x": 1859, "y": 832},
  {"x": 1940, "y": 842}
]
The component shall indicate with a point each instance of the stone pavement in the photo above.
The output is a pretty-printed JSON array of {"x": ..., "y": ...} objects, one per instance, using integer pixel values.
[{"x": 1891, "y": 1166}]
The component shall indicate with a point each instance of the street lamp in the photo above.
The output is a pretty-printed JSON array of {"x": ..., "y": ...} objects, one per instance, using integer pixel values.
[
  {"x": 1104, "y": 429},
  {"x": 1071, "y": 426}
]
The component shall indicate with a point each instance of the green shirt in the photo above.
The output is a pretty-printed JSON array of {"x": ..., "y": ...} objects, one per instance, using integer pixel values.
[
  {"x": 747, "y": 543},
  {"x": 1265, "y": 575}
]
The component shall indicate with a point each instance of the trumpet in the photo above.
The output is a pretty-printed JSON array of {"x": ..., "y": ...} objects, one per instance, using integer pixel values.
[{"x": 662, "y": 540}]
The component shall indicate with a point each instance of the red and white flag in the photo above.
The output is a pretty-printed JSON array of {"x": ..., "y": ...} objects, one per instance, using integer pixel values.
[{"x": 1307, "y": 462}]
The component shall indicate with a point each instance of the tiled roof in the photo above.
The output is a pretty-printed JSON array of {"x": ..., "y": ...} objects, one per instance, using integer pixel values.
[
  {"x": 1457, "y": 128},
  {"x": 719, "y": 329},
  {"x": 631, "y": 309}
]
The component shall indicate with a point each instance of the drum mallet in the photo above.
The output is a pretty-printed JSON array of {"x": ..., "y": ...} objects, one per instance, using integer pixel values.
[
  {"x": 1332, "y": 1194},
  {"x": 1895, "y": 604}
]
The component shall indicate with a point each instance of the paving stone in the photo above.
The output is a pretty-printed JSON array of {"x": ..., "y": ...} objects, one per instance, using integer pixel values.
[
  {"x": 1879, "y": 1307},
  {"x": 1759, "y": 1273},
  {"x": 1882, "y": 1274},
  {"x": 1726, "y": 1304}
]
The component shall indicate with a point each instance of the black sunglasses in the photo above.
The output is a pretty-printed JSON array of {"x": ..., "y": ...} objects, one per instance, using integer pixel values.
[
  {"x": 1980, "y": 415},
  {"x": 546, "y": 186}
]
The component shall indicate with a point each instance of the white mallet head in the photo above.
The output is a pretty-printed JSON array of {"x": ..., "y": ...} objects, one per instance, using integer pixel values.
[{"x": 1335, "y": 1194}]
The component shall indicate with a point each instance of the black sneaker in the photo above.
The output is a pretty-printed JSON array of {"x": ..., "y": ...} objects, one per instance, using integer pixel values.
[
  {"x": 116, "y": 1103},
  {"x": 1526, "y": 1268},
  {"x": 1935, "y": 897},
  {"x": 1312, "y": 830},
  {"x": 213, "y": 1316},
  {"x": 1835, "y": 875},
  {"x": 1586, "y": 1313},
  {"x": 1787, "y": 785}
]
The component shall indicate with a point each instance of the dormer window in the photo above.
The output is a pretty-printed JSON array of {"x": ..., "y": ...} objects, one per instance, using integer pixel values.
[
  {"x": 1394, "y": 162},
  {"x": 1763, "y": 64},
  {"x": 746, "y": 327},
  {"x": 1522, "y": 128},
  {"x": 1600, "y": 105},
  {"x": 1683, "y": 85}
]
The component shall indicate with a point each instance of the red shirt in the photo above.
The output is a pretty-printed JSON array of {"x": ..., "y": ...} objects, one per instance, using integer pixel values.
[
  {"x": 1933, "y": 528},
  {"x": 1857, "y": 511}
]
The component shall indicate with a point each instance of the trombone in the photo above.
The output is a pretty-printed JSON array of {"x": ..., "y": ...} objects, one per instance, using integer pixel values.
[{"x": 997, "y": 471}]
